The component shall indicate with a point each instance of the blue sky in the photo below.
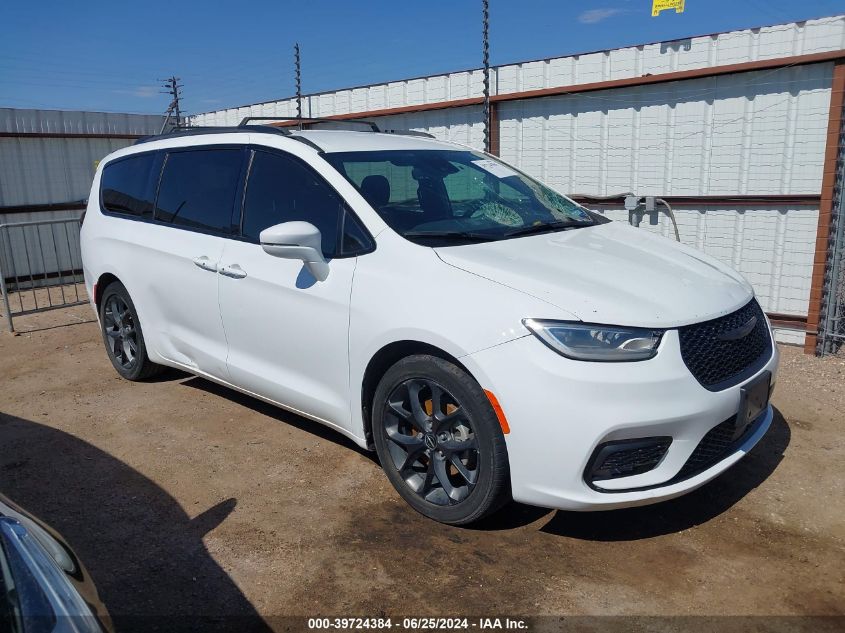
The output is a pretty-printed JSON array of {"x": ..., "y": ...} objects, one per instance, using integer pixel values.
[{"x": 108, "y": 55}]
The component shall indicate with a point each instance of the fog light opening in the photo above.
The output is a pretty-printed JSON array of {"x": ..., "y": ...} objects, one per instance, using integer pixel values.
[{"x": 624, "y": 458}]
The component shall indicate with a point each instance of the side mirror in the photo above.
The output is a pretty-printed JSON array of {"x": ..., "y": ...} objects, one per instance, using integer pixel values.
[{"x": 297, "y": 240}]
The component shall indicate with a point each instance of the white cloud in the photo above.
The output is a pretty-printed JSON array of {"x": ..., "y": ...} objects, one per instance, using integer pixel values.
[
  {"x": 593, "y": 16},
  {"x": 144, "y": 92}
]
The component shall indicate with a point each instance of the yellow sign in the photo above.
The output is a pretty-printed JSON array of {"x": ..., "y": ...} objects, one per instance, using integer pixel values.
[{"x": 662, "y": 5}]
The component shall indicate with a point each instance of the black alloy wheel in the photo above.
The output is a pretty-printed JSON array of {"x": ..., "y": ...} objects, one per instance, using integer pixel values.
[
  {"x": 439, "y": 440},
  {"x": 122, "y": 335}
]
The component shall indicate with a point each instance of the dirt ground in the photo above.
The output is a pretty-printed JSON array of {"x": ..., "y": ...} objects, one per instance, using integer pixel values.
[{"x": 185, "y": 498}]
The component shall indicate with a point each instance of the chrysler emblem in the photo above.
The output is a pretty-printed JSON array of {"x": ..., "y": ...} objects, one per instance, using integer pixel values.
[
  {"x": 430, "y": 441},
  {"x": 740, "y": 332}
]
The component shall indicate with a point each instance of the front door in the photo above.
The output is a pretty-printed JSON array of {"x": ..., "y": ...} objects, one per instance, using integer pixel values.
[{"x": 288, "y": 332}]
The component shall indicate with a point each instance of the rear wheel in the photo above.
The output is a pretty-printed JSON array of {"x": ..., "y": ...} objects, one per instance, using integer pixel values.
[
  {"x": 439, "y": 441},
  {"x": 122, "y": 335}
]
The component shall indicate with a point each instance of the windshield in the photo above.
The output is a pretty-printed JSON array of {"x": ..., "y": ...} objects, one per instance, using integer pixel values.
[{"x": 441, "y": 197}]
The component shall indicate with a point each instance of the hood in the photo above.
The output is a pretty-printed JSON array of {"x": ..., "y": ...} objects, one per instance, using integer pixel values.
[{"x": 610, "y": 273}]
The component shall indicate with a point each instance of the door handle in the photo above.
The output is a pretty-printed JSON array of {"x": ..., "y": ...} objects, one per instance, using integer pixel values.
[
  {"x": 205, "y": 263},
  {"x": 234, "y": 271}
]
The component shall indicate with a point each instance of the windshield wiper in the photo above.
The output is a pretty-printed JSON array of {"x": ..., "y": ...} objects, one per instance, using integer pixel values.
[
  {"x": 548, "y": 226},
  {"x": 454, "y": 235}
]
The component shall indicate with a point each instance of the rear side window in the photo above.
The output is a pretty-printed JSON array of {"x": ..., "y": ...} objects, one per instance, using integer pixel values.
[
  {"x": 128, "y": 186},
  {"x": 198, "y": 189},
  {"x": 281, "y": 189}
]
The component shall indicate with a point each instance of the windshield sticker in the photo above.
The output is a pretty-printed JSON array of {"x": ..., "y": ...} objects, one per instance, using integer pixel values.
[{"x": 492, "y": 167}]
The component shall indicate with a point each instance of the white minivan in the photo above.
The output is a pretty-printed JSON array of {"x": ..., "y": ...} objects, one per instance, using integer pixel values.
[{"x": 490, "y": 338}]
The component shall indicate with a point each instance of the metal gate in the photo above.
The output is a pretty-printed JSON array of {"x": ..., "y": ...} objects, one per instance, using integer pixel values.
[
  {"x": 831, "y": 338},
  {"x": 40, "y": 267}
]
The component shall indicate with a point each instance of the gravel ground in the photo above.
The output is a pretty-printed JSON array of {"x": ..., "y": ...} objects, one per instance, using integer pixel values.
[{"x": 185, "y": 498}]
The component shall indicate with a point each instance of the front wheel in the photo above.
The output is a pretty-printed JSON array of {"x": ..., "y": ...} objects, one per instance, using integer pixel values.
[{"x": 439, "y": 440}]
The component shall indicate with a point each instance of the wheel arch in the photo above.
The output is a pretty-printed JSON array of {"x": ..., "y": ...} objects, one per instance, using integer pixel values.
[
  {"x": 383, "y": 360},
  {"x": 103, "y": 282}
]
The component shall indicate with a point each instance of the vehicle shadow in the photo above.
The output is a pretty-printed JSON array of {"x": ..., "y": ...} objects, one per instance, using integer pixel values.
[
  {"x": 676, "y": 515},
  {"x": 144, "y": 553},
  {"x": 629, "y": 524},
  {"x": 277, "y": 413}
]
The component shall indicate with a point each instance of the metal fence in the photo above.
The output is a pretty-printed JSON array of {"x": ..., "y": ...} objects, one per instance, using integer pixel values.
[
  {"x": 831, "y": 337},
  {"x": 40, "y": 267}
]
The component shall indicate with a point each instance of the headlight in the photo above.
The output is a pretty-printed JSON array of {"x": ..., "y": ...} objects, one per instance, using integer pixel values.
[{"x": 582, "y": 341}]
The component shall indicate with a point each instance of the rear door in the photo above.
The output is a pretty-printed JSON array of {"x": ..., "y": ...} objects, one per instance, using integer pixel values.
[
  {"x": 193, "y": 222},
  {"x": 287, "y": 332}
]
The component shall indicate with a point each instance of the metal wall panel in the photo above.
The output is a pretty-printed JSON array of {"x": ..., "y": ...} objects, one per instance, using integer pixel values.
[
  {"x": 460, "y": 125},
  {"x": 42, "y": 170},
  {"x": 50, "y": 170},
  {"x": 37, "y": 216},
  {"x": 750, "y": 133},
  {"x": 77, "y": 122},
  {"x": 770, "y": 42},
  {"x": 772, "y": 247}
]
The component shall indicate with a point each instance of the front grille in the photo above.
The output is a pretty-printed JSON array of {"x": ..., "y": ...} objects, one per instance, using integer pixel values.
[
  {"x": 710, "y": 449},
  {"x": 717, "y": 356},
  {"x": 714, "y": 447},
  {"x": 627, "y": 457}
]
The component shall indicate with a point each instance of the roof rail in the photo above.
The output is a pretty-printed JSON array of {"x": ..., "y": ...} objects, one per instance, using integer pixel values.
[
  {"x": 245, "y": 122},
  {"x": 211, "y": 129},
  {"x": 409, "y": 133},
  {"x": 373, "y": 127},
  {"x": 245, "y": 126}
]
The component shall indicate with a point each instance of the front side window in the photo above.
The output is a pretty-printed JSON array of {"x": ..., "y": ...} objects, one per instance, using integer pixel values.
[
  {"x": 198, "y": 189},
  {"x": 455, "y": 196},
  {"x": 281, "y": 189},
  {"x": 128, "y": 185}
]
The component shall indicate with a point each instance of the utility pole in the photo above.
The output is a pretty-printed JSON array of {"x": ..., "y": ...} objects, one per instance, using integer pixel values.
[
  {"x": 172, "y": 87},
  {"x": 298, "y": 69},
  {"x": 486, "y": 54}
]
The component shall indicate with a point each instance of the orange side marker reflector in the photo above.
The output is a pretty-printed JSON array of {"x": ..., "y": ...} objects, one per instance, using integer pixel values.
[{"x": 503, "y": 421}]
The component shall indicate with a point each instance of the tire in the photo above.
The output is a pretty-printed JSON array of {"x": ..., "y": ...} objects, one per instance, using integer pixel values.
[
  {"x": 122, "y": 335},
  {"x": 451, "y": 434}
]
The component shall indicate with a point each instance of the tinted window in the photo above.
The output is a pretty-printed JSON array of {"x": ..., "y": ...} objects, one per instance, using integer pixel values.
[
  {"x": 355, "y": 238},
  {"x": 403, "y": 187},
  {"x": 281, "y": 189},
  {"x": 128, "y": 185},
  {"x": 463, "y": 185},
  {"x": 198, "y": 189}
]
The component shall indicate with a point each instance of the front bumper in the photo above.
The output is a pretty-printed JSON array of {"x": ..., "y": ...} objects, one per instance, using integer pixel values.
[{"x": 560, "y": 410}]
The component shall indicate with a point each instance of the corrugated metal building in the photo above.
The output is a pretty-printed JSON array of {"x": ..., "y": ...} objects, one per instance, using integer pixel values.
[
  {"x": 47, "y": 157},
  {"x": 730, "y": 128},
  {"x": 47, "y": 163}
]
